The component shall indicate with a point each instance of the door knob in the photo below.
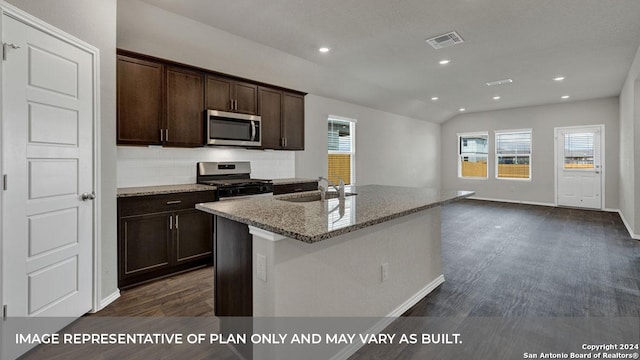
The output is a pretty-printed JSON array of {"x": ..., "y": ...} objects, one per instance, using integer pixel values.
[{"x": 87, "y": 196}]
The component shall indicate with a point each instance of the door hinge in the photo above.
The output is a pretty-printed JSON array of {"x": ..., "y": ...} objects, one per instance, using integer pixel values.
[
  {"x": 4, "y": 182},
  {"x": 4, "y": 312}
]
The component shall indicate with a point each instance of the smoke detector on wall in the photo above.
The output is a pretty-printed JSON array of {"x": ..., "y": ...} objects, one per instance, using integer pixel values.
[{"x": 445, "y": 40}]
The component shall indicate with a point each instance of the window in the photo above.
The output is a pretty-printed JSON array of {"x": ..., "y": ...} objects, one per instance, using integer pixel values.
[
  {"x": 472, "y": 155},
  {"x": 513, "y": 154},
  {"x": 578, "y": 151},
  {"x": 342, "y": 150}
]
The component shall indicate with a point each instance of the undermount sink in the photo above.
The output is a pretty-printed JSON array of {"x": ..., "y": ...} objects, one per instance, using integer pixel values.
[{"x": 315, "y": 197}]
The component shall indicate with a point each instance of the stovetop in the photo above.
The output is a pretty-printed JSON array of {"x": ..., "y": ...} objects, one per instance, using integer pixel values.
[
  {"x": 235, "y": 182},
  {"x": 232, "y": 179}
]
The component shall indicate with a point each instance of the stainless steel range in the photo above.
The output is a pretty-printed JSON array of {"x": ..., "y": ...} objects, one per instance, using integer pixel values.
[{"x": 233, "y": 179}]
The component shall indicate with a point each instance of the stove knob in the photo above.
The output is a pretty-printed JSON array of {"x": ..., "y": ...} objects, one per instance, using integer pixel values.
[{"x": 263, "y": 189}]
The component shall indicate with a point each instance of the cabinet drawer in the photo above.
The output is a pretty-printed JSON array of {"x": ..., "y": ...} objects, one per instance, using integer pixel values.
[
  {"x": 160, "y": 203},
  {"x": 293, "y": 188}
]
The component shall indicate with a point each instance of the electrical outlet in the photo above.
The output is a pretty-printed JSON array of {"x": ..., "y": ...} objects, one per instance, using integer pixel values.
[
  {"x": 261, "y": 267},
  {"x": 384, "y": 271}
]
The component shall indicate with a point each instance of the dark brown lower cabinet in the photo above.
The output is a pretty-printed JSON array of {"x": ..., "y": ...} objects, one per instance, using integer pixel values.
[
  {"x": 160, "y": 235},
  {"x": 233, "y": 276}
]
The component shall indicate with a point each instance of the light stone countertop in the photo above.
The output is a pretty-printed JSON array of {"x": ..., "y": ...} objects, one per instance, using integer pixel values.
[
  {"x": 288, "y": 181},
  {"x": 162, "y": 189},
  {"x": 316, "y": 221}
]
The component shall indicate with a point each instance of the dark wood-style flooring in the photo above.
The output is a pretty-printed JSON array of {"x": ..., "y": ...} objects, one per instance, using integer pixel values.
[
  {"x": 500, "y": 260},
  {"x": 522, "y": 260}
]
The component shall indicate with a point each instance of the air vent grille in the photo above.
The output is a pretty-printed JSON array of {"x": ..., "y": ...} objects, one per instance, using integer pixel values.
[{"x": 445, "y": 40}]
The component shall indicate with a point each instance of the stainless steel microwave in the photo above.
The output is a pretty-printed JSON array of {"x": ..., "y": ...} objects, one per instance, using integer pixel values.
[{"x": 226, "y": 128}]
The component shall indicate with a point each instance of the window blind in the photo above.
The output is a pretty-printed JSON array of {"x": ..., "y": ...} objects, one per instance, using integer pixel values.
[{"x": 513, "y": 143}]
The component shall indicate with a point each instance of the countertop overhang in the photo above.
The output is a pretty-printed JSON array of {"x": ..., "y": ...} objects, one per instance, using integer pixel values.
[{"x": 316, "y": 221}]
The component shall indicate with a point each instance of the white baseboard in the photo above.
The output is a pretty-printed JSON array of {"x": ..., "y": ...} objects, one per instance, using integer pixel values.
[
  {"x": 626, "y": 224},
  {"x": 347, "y": 351},
  {"x": 108, "y": 300},
  {"x": 513, "y": 201}
]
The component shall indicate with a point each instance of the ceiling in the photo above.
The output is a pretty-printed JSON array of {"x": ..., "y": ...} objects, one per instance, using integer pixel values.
[{"x": 382, "y": 42}]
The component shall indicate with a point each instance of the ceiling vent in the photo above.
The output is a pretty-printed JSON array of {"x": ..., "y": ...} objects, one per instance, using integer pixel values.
[
  {"x": 500, "y": 82},
  {"x": 445, "y": 40}
]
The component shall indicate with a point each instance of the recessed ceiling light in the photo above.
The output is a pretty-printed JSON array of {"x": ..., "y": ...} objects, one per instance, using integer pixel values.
[
  {"x": 462, "y": 109},
  {"x": 565, "y": 97},
  {"x": 324, "y": 49},
  {"x": 444, "y": 62},
  {"x": 435, "y": 98},
  {"x": 496, "y": 98},
  {"x": 558, "y": 78}
]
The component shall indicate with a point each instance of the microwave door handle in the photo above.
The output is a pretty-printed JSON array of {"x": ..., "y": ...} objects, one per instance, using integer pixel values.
[{"x": 253, "y": 131}]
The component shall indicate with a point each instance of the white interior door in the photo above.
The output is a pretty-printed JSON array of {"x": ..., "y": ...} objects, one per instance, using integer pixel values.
[
  {"x": 47, "y": 119},
  {"x": 579, "y": 167}
]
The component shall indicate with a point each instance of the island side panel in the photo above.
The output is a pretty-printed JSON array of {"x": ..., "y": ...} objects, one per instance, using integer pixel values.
[
  {"x": 342, "y": 276},
  {"x": 233, "y": 281}
]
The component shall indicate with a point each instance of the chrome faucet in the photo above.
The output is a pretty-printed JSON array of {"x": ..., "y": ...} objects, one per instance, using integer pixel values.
[{"x": 339, "y": 188}]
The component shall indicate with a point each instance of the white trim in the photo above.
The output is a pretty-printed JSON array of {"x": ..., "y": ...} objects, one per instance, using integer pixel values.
[
  {"x": 626, "y": 224},
  {"x": 107, "y": 301},
  {"x": 30, "y": 20},
  {"x": 351, "y": 349},
  {"x": 603, "y": 167},
  {"x": 496, "y": 155},
  {"x": 265, "y": 234},
  {"x": 459, "y": 155},
  {"x": 514, "y": 201},
  {"x": 341, "y": 118}
]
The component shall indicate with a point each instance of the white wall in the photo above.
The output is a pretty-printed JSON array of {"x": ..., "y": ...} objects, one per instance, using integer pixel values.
[
  {"x": 94, "y": 21},
  {"x": 543, "y": 120},
  {"x": 390, "y": 149},
  {"x": 629, "y": 149},
  {"x": 144, "y": 166}
]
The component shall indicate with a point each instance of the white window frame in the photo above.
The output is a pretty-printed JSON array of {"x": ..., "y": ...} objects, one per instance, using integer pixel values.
[
  {"x": 495, "y": 150},
  {"x": 352, "y": 153},
  {"x": 459, "y": 155}
]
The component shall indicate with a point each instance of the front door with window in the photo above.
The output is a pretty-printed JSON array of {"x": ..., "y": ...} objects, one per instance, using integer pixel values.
[{"x": 579, "y": 167}]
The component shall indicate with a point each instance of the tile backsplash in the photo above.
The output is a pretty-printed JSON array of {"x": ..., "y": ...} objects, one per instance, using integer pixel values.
[{"x": 155, "y": 165}]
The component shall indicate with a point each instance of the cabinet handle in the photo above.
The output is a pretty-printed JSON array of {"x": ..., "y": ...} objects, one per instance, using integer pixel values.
[
  {"x": 235, "y": 106},
  {"x": 231, "y": 104},
  {"x": 177, "y": 217},
  {"x": 171, "y": 222},
  {"x": 166, "y": 134},
  {"x": 161, "y": 135},
  {"x": 173, "y": 202}
]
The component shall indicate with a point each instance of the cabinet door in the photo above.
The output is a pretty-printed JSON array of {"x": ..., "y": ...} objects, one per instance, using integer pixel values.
[
  {"x": 185, "y": 106},
  {"x": 218, "y": 93},
  {"x": 246, "y": 98},
  {"x": 193, "y": 235},
  {"x": 293, "y": 121},
  {"x": 270, "y": 105},
  {"x": 144, "y": 244},
  {"x": 139, "y": 101}
]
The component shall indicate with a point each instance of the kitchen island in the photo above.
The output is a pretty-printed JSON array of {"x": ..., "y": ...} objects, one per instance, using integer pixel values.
[{"x": 376, "y": 253}]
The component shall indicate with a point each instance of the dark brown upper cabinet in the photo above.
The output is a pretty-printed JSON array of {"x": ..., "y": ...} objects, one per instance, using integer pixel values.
[
  {"x": 140, "y": 113},
  {"x": 185, "y": 103},
  {"x": 159, "y": 104},
  {"x": 231, "y": 95},
  {"x": 162, "y": 102},
  {"x": 282, "y": 115}
]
